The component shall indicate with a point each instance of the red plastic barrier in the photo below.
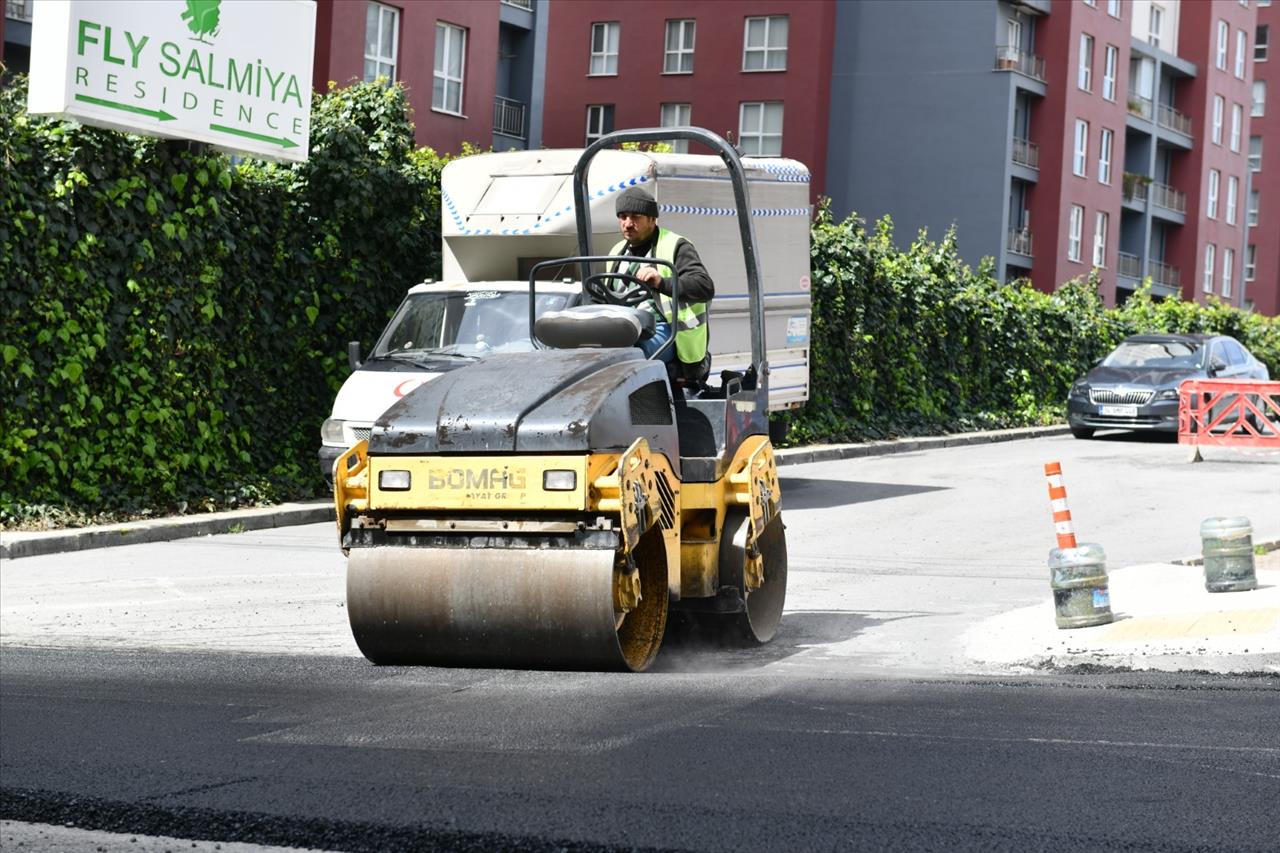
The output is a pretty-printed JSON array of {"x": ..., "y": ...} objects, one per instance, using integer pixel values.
[{"x": 1229, "y": 413}]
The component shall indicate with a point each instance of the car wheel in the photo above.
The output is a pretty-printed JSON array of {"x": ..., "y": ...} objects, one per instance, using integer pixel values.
[{"x": 1082, "y": 432}]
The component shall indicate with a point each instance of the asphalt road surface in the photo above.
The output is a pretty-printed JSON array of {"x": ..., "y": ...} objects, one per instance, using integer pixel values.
[{"x": 209, "y": 689}]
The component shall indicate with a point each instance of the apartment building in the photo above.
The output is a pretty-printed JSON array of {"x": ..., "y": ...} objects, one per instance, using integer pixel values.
[
  {"x": 15, "y": 36},
  {"x": 1262, "y": 208},
  {"x": 755, "y": 71}
]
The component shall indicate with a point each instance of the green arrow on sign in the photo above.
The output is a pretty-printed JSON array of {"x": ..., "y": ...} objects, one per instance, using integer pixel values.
[
  {"x": 282, "y": 141},
  {"x": 129, "y": 108}
]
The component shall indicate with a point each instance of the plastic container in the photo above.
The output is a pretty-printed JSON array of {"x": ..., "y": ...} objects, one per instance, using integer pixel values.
[
  {"x": 1081, "y": 597},
  {"x": 1227, "y": 545}
]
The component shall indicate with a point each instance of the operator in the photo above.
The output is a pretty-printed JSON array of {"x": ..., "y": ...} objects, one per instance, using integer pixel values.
[{"x": 642, "y": 237}]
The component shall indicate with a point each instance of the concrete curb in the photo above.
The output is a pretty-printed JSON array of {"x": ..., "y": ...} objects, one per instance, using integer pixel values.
[
  {"x": 38, "y": 543},
  {"x": 1267, "y": 546}
]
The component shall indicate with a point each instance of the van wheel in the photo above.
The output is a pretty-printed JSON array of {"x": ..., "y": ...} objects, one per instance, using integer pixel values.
[{"x": 1082, "y": 432}]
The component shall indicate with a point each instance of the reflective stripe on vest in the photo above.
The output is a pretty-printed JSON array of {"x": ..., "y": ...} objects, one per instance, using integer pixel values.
[{"x": 691, "y": 319}]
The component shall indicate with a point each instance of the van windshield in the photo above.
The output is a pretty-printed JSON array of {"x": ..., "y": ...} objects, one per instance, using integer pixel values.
[{"x": 471, "y": 323}]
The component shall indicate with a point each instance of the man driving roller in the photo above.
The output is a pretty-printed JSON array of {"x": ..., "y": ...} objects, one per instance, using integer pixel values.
[{"x": 642, "y": 237}]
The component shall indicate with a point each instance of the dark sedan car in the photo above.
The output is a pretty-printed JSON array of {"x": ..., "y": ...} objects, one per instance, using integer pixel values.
[{"x": 1136, "y": 386}]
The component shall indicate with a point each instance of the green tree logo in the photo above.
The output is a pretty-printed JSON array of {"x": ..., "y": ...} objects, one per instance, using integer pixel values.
[{"x": 202, "y": 18}]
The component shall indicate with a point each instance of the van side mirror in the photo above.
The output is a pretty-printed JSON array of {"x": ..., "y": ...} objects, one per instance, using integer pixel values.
[{"x": 353, "y": 355}]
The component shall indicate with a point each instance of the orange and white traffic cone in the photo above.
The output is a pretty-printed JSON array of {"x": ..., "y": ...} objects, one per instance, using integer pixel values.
[{"x": 1077, "y": 573}]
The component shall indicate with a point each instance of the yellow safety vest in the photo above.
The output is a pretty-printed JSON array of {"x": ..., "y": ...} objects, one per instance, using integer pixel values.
[{"x": 691, "y": 319}]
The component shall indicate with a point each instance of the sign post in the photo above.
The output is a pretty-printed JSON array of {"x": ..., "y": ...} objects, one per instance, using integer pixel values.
[{"x": 230, "y": 73}]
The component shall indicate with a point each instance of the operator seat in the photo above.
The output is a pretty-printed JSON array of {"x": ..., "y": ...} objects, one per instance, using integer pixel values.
[{"x": 594, "y": 326}]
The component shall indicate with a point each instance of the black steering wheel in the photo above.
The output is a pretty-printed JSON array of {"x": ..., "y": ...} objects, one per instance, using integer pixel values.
[{"x": 635, "y": 294}]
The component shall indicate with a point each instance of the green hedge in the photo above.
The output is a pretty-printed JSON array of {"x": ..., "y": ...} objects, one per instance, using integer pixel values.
[
  {"x": 913, "y": 341},
  {"x": 174, "y": 325}
]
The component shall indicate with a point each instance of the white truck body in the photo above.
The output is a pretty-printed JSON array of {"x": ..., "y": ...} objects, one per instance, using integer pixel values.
[{"x": 503, "y": 212}]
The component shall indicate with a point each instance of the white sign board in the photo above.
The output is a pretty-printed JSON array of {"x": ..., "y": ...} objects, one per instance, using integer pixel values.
[{"x": 233, "y": 73}]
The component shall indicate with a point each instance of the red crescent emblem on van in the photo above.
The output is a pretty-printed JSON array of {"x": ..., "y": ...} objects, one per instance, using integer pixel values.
[{"x": 401, "y": 389}]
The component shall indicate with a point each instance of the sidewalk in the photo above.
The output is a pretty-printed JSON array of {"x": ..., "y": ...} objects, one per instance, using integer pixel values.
[{"x": 36, "y": 543}]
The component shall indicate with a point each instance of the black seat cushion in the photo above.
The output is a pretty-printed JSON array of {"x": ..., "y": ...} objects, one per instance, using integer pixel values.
[{"x": 594, "y": 326}]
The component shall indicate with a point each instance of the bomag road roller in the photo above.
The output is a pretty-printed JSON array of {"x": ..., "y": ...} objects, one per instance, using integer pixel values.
[{"x": 552, "y": 508}]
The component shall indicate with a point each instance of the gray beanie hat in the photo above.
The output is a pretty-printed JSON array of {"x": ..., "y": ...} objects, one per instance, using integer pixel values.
[{"x": 636, "y": 200}]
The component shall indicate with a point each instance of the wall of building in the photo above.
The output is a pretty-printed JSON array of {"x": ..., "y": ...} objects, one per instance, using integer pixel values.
[
  {"x": 715, "y": 88},
  {"x": 1264, "y": 290},
  {"x": 920, "y": 120},
  {"x": 340, "y": 30}
]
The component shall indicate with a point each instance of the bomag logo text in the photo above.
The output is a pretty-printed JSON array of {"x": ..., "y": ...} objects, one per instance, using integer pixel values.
[{"x": 485, "y": 479}]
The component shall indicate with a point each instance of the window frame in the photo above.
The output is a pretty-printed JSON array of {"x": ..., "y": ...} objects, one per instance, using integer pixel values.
[
  {"x": 1237, "y": 126},
  {"x": 1224, "y": 41},
  {"x": 1110, "y": 71},
  {"x": 1228, "y": 269},
  {"x": 1210, "y": 267},
  {"x": 1155, "y": 24},
  {"x": 679, "y": 146},
  {"x": 1075, "y": 228},
  {"x": 605, "y": 110},
  {"x": 1255, "y": 160},
  {"x": 443, "y": 74},
  {"x": 604, "y": 54},
  {"x": 1084, "y": 66},
  {"x": 378, "y": 59},
  {"x": 1113, "y": 8},
  {"x": 1219, "y": 107},
  {"x": 1261, "y": 41},
  {"x": 1258, "y": 106},
  {"x": 1251, "y": 210},
  {"x": 680, "y": 52},
  {"x": 1080, "y": 150},
  {"x": 1250, "y": 262},
  {"x": 1106, "y": 142},
  {"x": 764, "y": 50},
  {"x": 760, "y": 135},
  {"x": 1211, "y": 196},
  {"x": 1101, "y": 223},
  {"x": 1242, "y": 45},
  {"x": 1233, "y": 199}
]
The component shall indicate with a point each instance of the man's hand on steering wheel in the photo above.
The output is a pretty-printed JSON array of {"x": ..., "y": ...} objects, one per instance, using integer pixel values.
[{"x": 636, "y": 293}]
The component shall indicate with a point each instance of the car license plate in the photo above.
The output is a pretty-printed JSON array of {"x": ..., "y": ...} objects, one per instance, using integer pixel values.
[{"x": 1119, "y": 411}]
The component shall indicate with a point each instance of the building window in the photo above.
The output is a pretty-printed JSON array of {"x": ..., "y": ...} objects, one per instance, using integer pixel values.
[
  {"x": 1209, "y": 251},
  {"x": 1259, "y": 98},
  {"x": 760, "y": 129},
  {"x": 677, "y": 57},
  {"x": 1214, "y": 177},
  {"x": 1104, "y": 156},
  {"x": 604, "y": 48},
  {"x": 764, "y": 44},
  {"x": 1250, "y": 262},
  {"x": 1224, "y": 35},
  {"x": 677, "y": 115},
  {"x": 381, "y": 38},
  {"x": 1155, "y": 24},
  {"x": 1228, "y": 264},
  {"x": 1113, "y": 8},
  {"x": 451, "y": 51},
  {"x": 1260, "y": 37},
  {"x": 1100, "y": 239},
  {"x": 1233, "y": 192},
  {"x": 1111, "y": 58},
  {"x": 1255, "y": 153},
  {"x": 1219, "y": 104},
  {"x": 599, "y": 121},
  {"x": 1084, "y": 75},
  {"x": 1013, "y": 33},
  {"x": 1079, "y": 165},
  {"x": 1240, "y": 51},
  {"x": 1252, "y": 214},
  {"x": 1237, "y": 123},
  {"x": 1073, "y": 233}
]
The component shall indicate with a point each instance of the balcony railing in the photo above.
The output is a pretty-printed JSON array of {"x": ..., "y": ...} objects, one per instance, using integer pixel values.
[
  {"x": 18, "y": 10},
  {"x": 1163, "y": 195},
  {"x": 1167, "y": 116},
  {"x": 1134, "y": 187},
  {"x": 1130, "y": 266},
  {"x": 1026, "y": 153},
  {"x": 508, "y": 117},
  {"x": 520, "y": 4},
  {"x": 1012, "y": 59},
  {"x": 1020, "y": 241},
  {"x": 1140, "y": 106},
  {"x": 1162, "y": 273}
]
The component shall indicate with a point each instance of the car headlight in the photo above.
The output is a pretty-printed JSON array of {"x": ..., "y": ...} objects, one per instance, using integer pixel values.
[
  {"x": 331, "y": 431},
  {"x": 1080, "y": 389},
  {"x": 1167, "y": 394}
]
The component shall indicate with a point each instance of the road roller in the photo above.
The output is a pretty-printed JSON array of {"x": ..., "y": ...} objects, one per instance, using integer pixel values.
[{"x": 558, "y": 508}]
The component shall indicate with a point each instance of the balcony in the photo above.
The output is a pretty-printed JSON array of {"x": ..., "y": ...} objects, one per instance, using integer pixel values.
[
  {"x": 1020, "y": 242},
  {"x": 1012, "y": 59},
  {"x": 1130, "y": 266},
  {"x": 1026, "y": 153},
  {"x": 1140, "y": 106},
  {"x": 1170, "y": 119},
  {"x": 1133, "y": 187},
  {"x": 527, "y": 5},
  {"x": 508, "y": 117},
  {"x": 1163, "y": 195},
  {"x": 1162, "y": 273},
  {"x": 18, "y": 10}
]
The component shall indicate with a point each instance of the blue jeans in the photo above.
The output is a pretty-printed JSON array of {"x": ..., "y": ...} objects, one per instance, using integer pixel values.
[{"x": 661, "y": 334}]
